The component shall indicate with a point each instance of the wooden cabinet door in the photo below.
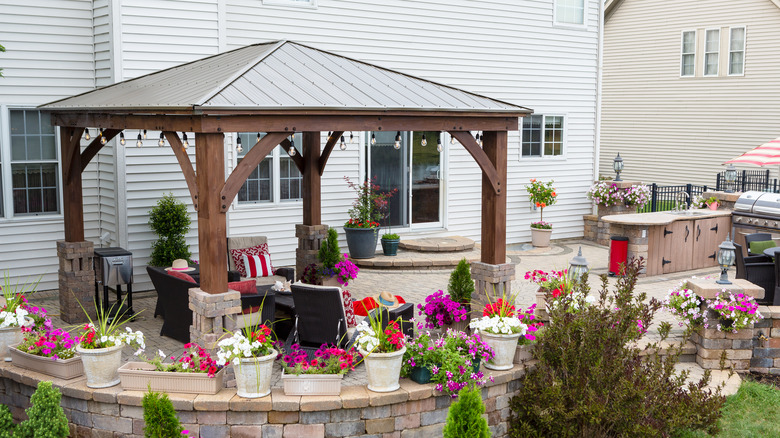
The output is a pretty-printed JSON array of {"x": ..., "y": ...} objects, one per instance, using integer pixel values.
[
  {"x": 709, "y": 235},
  {"x": 678, "y": 246},
  {"x": 655, "y": 250}
]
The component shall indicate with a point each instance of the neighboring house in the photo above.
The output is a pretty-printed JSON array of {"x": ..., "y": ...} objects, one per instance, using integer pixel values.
[
  {"x": 540, "y": 54},
  {"x": 687, "y": 85}
]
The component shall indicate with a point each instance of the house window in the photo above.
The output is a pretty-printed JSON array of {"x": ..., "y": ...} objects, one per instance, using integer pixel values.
[
  {"x": 737, "y": 51},
  {"x": 688, "y": 57},
  {"x": 276, "y": 170},
  {"x": 34, "y": 166},
  {"x": 711, "y": 49},
  {"x": 542, "y": 136},
  {"x": 570, "y": 11}
]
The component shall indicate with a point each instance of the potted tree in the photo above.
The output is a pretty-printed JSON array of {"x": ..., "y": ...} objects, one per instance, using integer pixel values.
[
  {"x": 362, "y": 228},
  {"x": 541, "y": 195},
  {"x": 460, "y": 287},
  {"x": 390, "y": 243},
  {"x": 170, "y": 222}
]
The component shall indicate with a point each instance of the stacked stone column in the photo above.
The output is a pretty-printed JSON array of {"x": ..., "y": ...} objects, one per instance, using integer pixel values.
[
  {"x": 310, "y": 239},
  {"x": 491, "y": 280},
  {"x": 77, "y": 280},
  {"x": 211, "y": 313},
  {"x": 596, "y": 230}
]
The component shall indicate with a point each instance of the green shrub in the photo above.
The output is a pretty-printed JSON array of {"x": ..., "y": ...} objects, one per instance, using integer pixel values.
[
  {"x": 330, "y": 253},
  {"x": 159, "y": 416},
  {"x": 591, "y": 381},
  {"x": 461, "y": 284},
  {"x": 391, "y": 236},
  {"x": 7, "y": 425},
  {"x": 170, "y": 221},
  {"x": 464, "y": 418},
  {"x": 45, "y": 417}
]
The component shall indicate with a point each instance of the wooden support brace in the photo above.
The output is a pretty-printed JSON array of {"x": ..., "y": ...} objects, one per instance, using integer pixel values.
[
  {"x": 250, "y": 161},
  {"x": 334, "y": 137},
  {"x": 70, "y": 142},
  {"x": 468, "y": 142},
  {"x": 186, "y": 165},
  {"x": 297, "y": 159}
]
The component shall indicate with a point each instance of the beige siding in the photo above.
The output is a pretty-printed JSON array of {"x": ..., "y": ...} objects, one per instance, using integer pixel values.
[{"x": 673, "y": 130}]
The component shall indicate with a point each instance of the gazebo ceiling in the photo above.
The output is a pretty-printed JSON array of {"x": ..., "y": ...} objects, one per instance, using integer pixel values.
[{"x": 281, "y": 77}]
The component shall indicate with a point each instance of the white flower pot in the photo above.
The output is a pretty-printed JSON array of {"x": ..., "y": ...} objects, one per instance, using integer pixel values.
[
  {"x": 253, "y": 375},
  {"x": 383, "y": 370},
  {"x": 9, "y": 336},
  {"x": 101, "y": 365},
  {"x": 540, "y": 238},
  {"x": 504, "y": 347}
]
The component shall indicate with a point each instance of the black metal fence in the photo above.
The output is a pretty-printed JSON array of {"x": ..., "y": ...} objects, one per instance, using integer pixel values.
[
  {"x": 664, "y": 198},
  {"x": 748, "y": 180}
]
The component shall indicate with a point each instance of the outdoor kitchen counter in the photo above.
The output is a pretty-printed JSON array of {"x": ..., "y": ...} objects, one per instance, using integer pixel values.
[{"x": 672, "y": 242}]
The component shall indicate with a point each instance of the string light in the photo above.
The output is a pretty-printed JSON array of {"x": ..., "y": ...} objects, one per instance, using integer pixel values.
[
  {"x": 161, "y": 143},
  {"x": 438, "y": 144},
  {"x": 330, "y": 134},
  {"x": 239, "y": 149},
  {"x": 86, "y": 134},
  {"x": 122, "y": 138},
  {"x": 291, "y": 151},
  {"x": 373, "y": 139},
  {"x": 479, "y": 139},
  {"x": 186, "y": 143},
  {"x": 258, "y": 137},
  {"x": 452, "y": 139},
  {"x": 102, "y": 137},
  {"x": 351, "y": 138},
  {"x": 144, "y": 134},
  {"x": 139, "y": 142},
  {"x": 342, "y": 146},
  {"x": 397, "y": 144},
  {"x": 424, "y": 141}
]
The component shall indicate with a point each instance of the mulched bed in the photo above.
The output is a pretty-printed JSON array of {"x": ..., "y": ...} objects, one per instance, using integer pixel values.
[{"x": 767, "y": 379}]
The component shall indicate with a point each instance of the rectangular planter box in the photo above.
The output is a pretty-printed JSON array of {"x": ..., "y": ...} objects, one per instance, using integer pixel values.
[
  {"x": 61, "y": 368},
  {"x": 312, "y": 384},
  {"x": 135, "y": 376}
]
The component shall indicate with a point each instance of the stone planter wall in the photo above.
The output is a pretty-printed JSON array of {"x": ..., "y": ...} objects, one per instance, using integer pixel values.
[
  {"x": 599, "y": 231},
  {"x": 766, "y": 342},
  {"x": 413, "y": 411}
]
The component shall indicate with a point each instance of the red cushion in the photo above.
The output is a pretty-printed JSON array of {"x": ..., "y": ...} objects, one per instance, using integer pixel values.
[
  {"x": 348, "y": 310},
  {"x": 237, "y": 254},
  {"x": 246, "y": 287},
  {"x": 257, "y": 265},
  {"x": 362, "y": 307},
  {"x": 182, "y": 275}
]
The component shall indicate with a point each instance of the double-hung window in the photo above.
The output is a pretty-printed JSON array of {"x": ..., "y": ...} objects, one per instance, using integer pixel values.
[
  {"x": 711, "y": 51},
  {"x": 34, "y": 165},
  {"x": 542, "y": 135},
  {"x": 688, "y": 53},
  {"x": 276, "y": 171},
  {"x": 737, "y": 51},
  {"x": 570, "y": 12}
]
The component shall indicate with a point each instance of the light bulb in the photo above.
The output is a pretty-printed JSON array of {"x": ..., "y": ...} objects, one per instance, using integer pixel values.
[
  {"x": 452, "y": 139},
  {"x": 480, "y": 140},
  {"x": 439, "y": 147},
  {"x": 330, "y": 134},
  {"x": 102, "y": 137},
  {"x": 351, "y": 138},
  {"x": 122, "y": 138},
  {"x": 342, "y": 145},
  {"x": 397, "y": 144},
  {"x": 86, "y": 134},
  {"x": 161, "y": 143},
  {"x": 239, "y": 148},
  {"x": 291, "y": 151},
  {"x": 438, "y": 142},
  {"x": 258, "y": 137},
  {"x": 186, "y": 143},
  {"x": 292, "y": 142},
  {"x": 373, "y": 139},
  {"x": 144, "y": 134},
  {"x": 424, "y": 141},
  {"x": 140, "y": 142}
]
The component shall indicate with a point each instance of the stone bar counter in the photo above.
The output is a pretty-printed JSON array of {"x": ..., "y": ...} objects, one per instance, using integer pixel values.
[{"x": 673, "y": 242}]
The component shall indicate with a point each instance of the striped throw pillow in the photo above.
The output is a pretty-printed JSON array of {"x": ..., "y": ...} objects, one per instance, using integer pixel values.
[{"x": 257, "y": 265}]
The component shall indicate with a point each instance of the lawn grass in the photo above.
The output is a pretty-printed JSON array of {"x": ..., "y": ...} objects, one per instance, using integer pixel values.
[{"x": 753, "y": 412}]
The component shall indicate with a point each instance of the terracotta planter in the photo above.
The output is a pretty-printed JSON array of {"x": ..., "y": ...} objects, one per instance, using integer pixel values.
[
  {"x": 101, "y": 365},
  {"x": 60, "y": 368},
  {"x": 504, "y": 347},
  {"x": 9, "y": 336},
  {"x": 362, "y": 242},
  {"x": 523, "y": 354},
  {"x": 540, "y": 238},
  {"x": 138, "y": 376},
  {"x": 312, "y": 384},
  {"x": 253, "y": 376},
  {"x": 383, "y": 370}
]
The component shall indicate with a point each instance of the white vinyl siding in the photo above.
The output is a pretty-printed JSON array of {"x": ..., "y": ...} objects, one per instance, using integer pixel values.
[
  {"x": 736, "y": 51},
  {"x": 293, "y": 3},
  {"x": 711, "y": 52},
  {"x": 688, "y": 54}
]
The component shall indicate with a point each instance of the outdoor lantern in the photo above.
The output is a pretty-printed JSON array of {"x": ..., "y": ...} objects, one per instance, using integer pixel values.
[
  {"x": 342, "y": 145},
  {"x": 726, "y": 256},
  {"x": 578, "y": 266},
  {"x": 185, "y": 143},
  {"x": 122, "y": 138},
  {"x": 731, "y": 177},
  {"x": 617, "y": 164}
]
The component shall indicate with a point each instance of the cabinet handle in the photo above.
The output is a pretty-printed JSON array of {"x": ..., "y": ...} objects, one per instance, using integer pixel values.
[
  {"x": 664, "y": 261},
  {"x": 698, "y": 232},
  {"x": 715, "y": 228},
  {"x": 713, "y": 256},
  {"x": 667, "y": 232},
  {"x": 687, "y": 233}
]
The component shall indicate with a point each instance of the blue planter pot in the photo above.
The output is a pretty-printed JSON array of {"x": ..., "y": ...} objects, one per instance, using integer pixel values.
[
  {"x": 362, "y": 242},
  {"x": 390, "y": 246},
  {"x": 420, "y": 375}
]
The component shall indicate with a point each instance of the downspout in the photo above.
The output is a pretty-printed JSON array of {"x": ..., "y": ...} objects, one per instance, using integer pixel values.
[{"x": 599, "y": 73}]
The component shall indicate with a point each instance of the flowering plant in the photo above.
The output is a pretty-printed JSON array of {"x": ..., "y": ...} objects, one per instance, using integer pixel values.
[
  {"x": 498, "y": 317},
  {"x": 555, "y": 282},
  {"x": 194, "y": 359},
  {"x": 328, "y": 359},
  {"x": 441, "y": 310},
  {"x": 245, "y": 343},
  {"x": 105, "y": 332},
  {"x": 541, "y": 225},
  {"x": 739, "y": 310},
  {"x": 14, "y": 312},
  {"x": 541, "y": 195},
  {"x": 608, "y": 194},
  {"x": 686, "y": 305},
  {"x": 452, "y": 359},
  {"x": 370, "y": 206},
  {"x": 526, "y": 317},
  {"x": 344, "y": 271},
  {"x": 638, "y": 195},
  {"x": 374, "y": 338},
  {"x": 53, "y": 343},
  {"x": 571, "y": 302}
]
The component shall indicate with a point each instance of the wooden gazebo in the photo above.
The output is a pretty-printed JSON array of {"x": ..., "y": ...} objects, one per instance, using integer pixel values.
[{"x": 279, "y": 88}]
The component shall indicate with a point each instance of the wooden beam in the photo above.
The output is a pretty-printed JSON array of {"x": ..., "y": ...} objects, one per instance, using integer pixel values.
[
  {"x": 312, "y": 184},
  {"x": 185, "y": 164},
  {"x": 153, "y": 122},
  {"x": 488, "y": 169},
  {"x": 250, "y": 161},
  {"x": 494, "y": 201},
  {"x": 297, "y": 159},
  {"x": 95, "y": 147},
  {"x": 73, "y": 208},
  {"x": 212, "y": 221},
  {"x": 334, "y": 137}
]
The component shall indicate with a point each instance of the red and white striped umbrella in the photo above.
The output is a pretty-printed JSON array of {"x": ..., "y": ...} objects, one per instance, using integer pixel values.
[{"x": 765, "y": 155}]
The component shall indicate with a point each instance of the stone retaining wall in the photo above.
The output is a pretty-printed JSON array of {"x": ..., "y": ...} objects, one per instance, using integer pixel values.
[
  {"x": 766, "y": 342},
  {"x": 412, "y": 411}
]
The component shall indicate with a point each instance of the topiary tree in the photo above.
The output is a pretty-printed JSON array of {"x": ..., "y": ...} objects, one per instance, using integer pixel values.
[
  {"x": 159, "y": 416},
  {"x": 7, "y": 425},
  {"x": 330, "y": 253},
  {"x": 461, "y": 284},
  {"x": 170, "y": 221},
  {"x": 464, "y": 418},
  {"x": 45, "y": 418}
]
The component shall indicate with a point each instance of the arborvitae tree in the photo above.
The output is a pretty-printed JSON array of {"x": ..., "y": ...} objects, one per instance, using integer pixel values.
[
  {"x": 7, "y": 425},
  {"x": 330, "y": 253},
  {"x": 170, "y": 221},
  {"x": 461, "y": 284},
  {"x": 159, "y": 416},
  {"x": 45, "y": 418},
  {"x": 464, "y": 418}
]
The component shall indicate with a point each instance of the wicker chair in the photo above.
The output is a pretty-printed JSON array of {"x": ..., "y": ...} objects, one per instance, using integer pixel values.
[
  {"x": 756, "y": 237},
  {"x": 759, "y": 270},
  {"x": 320, "y": 317}
]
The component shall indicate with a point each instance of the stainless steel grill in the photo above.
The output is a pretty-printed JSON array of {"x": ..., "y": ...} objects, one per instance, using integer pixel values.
[
  {"x": 757, "y": 210},
  {"x": 114, "y": 268}
]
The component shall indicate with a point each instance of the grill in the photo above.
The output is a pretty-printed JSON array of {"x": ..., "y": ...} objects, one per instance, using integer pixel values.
[
  {"x": 114, "y": 267},
  {"x": 757, "y": 210}
]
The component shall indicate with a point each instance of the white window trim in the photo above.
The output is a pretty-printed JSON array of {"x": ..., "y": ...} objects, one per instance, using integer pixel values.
[
  {"x": 309, "y": 4},
  {"x": 583, "y": 26},
  {"x": 682, "y": 45},
  {"x": 276, "y": 190},
  {"x": 744, "y": 52},
  {"x": 705, "y": 52},
  {"x": 564, "y": 142}
]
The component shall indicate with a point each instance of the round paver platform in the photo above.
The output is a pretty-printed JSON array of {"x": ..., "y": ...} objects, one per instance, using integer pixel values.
[{"x": 438, "y": 244}]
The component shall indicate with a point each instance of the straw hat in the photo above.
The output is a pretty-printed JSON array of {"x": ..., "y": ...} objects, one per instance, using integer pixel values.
[
  {"x": 387, "y": 299},
  {"x": 180, "y": 265}
]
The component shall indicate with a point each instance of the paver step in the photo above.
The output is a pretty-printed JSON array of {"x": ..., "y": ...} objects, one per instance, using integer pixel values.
[{"x": 438, "y": 244}]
